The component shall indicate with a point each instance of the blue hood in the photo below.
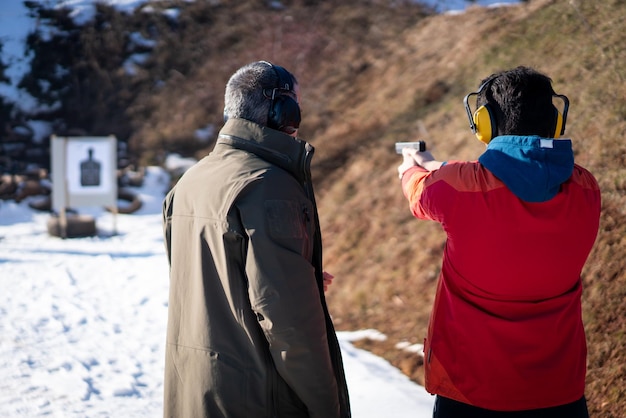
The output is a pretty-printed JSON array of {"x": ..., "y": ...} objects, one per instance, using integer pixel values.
[{"x": 533, "y": 168}]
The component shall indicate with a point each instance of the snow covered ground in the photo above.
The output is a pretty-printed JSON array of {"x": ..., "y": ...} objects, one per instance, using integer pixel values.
[{"x": 82, "y": 321}]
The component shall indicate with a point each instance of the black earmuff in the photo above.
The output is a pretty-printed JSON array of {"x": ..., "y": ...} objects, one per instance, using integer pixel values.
[
  {"x": 483, "y": 122},
  {"x": 284, "y": 114}
]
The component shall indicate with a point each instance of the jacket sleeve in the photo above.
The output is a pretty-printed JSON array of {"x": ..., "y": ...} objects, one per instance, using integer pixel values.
[
  {"x": 433, "y": 195},
  {"x": 283, "y": 290},
  {"x": 414, "y": 183}
]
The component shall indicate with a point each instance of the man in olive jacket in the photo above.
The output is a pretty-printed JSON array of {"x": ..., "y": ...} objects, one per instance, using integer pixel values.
[{"x": 249, "y": 334}]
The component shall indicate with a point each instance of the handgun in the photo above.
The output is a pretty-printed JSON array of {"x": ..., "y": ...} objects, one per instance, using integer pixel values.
[{"x": 418, "y": 145}]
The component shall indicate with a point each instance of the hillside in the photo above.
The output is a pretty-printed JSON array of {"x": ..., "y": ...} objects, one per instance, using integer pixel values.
[
  {"x": 373, "y": 73},
  {"x": 387, "y": 263}
]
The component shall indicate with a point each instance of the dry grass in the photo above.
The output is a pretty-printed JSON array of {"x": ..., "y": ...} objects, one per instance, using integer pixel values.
[
  {"x": 372, "y": 75},
  {"x": 385, "y": 262}
]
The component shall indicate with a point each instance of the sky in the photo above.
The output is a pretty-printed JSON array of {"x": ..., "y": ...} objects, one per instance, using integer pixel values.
[{"x": 83, "y": 320}]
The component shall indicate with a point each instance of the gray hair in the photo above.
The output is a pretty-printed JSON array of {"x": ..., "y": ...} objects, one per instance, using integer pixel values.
[{"x": 244, "y": 96}]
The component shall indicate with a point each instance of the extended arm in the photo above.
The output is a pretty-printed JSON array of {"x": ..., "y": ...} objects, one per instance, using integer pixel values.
[{"x": 413, "y": 158}]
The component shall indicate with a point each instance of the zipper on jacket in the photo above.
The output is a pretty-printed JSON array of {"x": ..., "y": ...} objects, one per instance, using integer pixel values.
[
  {"x": 306, "y": 171},
  {"x": 306, "y": 228}
]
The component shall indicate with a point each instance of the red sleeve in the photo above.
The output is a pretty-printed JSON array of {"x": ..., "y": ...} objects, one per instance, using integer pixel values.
[{"x": 432, "y": 194}]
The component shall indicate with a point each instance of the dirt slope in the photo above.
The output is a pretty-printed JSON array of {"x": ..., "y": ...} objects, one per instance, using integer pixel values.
[
  {"x": 376, "y": 72},
  {"x": 386, "y": 263}
]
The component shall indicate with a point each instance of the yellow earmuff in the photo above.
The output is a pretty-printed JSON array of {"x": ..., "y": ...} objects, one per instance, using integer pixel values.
[
  {"x": 558, "y": 129},
  {"x": 484, "y": 124}
]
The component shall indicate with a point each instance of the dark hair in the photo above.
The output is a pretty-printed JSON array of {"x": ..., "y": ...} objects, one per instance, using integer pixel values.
[{"x": 521, "y": 102}]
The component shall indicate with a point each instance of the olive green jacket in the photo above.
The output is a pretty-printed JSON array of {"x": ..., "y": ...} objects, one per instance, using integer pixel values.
[{"x": 249, "y": 334}]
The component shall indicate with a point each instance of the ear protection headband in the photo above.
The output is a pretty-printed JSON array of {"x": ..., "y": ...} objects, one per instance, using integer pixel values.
[
  {"x": 483, "y": 122},
  {"x": 284, "y": 113}
]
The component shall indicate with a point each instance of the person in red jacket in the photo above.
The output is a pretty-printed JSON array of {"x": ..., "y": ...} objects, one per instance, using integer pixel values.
[{"x": 506, "y": 336}]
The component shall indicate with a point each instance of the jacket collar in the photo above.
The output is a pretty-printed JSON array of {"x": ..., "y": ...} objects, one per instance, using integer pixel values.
[
  {"x": 533, "y": 168},
  {"x": 289, "y": 153}
]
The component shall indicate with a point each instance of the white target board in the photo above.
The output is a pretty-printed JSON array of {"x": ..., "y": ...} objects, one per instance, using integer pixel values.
[{"x": 83, "y": 172}]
